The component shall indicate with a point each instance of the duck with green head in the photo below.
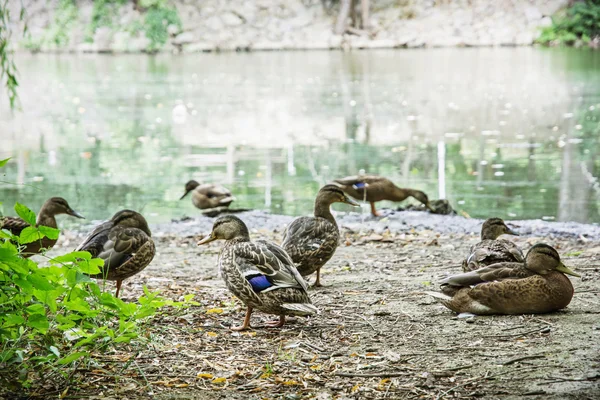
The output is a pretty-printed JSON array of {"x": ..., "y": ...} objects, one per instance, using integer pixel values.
[
  {"x": 260, "y": 274},
  {"x": 492, "y": 250},
  {"x": 537, "y": 286},
  {"x": 124, "y": 243},
  {"x": 312, "y": 241},
  {"x": 46, "y": 217},
  {"x": 373, "y": 188}
]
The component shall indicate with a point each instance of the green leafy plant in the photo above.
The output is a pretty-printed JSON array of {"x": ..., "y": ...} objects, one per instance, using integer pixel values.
[
  {"x": 54, "y": 318},
  {"x": 579, "y": 24},
  {"x": 156, "y": 23}
]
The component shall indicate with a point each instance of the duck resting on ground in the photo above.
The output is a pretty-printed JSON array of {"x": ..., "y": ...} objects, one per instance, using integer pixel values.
[
  {"x": 312, "y": 241},
  {"x": 46, "y": 217},
  {"x": 207, "y": 195},
  {"x": 124, "y": 243},
  {"x": 260, "y": 274},
  {"x": 373, "y": 188},
  {"x": 492, "y": 250},
  {"x": 536, "y": 286}
]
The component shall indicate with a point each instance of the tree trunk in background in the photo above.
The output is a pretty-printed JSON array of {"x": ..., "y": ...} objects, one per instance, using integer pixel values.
[
  {"x": 340, "y": 25},
  {"x": 364, "y": 6},
  {"x": 353, "y": 16}
]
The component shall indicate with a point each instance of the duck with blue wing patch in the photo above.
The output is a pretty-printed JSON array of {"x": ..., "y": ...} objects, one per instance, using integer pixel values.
[
  {"x": 261, "y": 274},
  {"x": 124, "y": 243},
  {"x": 312, "y": 241}
]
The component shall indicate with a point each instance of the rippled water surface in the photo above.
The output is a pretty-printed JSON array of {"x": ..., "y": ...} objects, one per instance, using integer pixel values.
[{"x": 505, "y": 132}]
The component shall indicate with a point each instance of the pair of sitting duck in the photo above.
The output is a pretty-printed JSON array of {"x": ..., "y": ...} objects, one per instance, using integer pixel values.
[{"x": 123, "y": 242}]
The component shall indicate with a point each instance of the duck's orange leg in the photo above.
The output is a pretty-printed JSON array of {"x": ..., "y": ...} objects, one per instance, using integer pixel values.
[
  {"x": 276, "y": 324},
  {"x": 373, "y": 210},
  {"x": 246, "y": 324}
]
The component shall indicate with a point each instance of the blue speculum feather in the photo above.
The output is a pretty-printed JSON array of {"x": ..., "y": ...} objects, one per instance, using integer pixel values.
[
  {"x": 260, "y": 283},
  {"x": 359, "y": 185}
]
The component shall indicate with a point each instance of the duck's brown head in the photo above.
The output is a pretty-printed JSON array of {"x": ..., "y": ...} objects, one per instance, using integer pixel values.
[
  {"x": 189, "y": 186},
  {"x": 131, "y": 219},
  {"x": 543, "y": 259},
  {"x": 58, "y": 205},
  {"x": 227, "y": 227},
  {"x": 494, "y": 227},
  {"x": 422, "y": 198},
  {"x": 330, "y": 194}
]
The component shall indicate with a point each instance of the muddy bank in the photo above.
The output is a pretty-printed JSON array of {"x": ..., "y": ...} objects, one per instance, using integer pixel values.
[{"x": 377, "y": 336}]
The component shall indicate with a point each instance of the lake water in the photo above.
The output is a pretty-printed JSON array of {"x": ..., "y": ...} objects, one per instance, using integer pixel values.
[{"x": 509, "y": 132}]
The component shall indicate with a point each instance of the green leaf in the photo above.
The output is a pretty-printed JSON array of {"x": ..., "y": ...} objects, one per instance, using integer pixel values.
[
  {"x": 30, "y": 234},
  {"x": 55, "y": 351},
  {"x": 39, "y": 322},
  {"x": 3, "y": 162},
  {"x": 40, "y": 282},
  {"x": 72, "y": 257},
  {"x": 92, "y": 266},
  {"x": 73, "y": 357},
  {"x": 36, "y": 309},
  {"x": 25, "y": 213},
  {"x": 12, "y": 319},
  {"x": 50, "y": 233},
  {"x": 23, "y": 284}
]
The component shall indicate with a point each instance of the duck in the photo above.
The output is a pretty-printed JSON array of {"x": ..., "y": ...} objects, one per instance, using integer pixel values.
[
  {"x": 312, "y": 241},
  {"x": 261, "y": 274},
  {"x": 374, "y": 188},
  {"x": 208, "y": 195},
  {"x": 46, "y": 217},
  {"x": 492, "y": 250},
  {"x": 124, "y": 243},
  {"x": 539, "y": 285}
]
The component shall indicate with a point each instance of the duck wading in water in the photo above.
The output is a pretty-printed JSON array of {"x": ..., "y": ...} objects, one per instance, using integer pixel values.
[
  {"x": 537, "y": 286},
  {"x": 373, "y": 188},
  {"x": 312, "y": 241},
  {"x": 260, "y": 274},
  {"x": 124, "y": 243},
  {"x": 46, "y": 217}
]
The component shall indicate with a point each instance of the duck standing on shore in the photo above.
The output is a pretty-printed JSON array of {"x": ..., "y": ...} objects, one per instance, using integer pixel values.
[
  {"x": 260, "y": 274},
  {"x": 373, "y": 188},
  {"x": 312, "y": 241},
  {"x": 124, "y": 243},
  {"x": 492, "y": 250},
  {"x": 537, "y": 286},
  {"x": 208, "y": 195},
  {"x": 46, "y": 217}
]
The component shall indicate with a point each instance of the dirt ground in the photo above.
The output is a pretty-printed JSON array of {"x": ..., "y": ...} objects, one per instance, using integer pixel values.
[{"x": 377, "y": 337}]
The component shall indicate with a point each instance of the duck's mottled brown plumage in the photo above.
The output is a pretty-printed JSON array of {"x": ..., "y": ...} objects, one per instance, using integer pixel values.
[
  {"x": 208, "y": 195},
  {"x": 492, "y": 250},
  {"x": 536, "y": 286},
  {"x": 46, "y": 217},
  {"x": 124, "y": 243},
  {"x": 373, "y": 188},
  {"x": 312, "y": 241},
  {"x": 241, "y": 260}
]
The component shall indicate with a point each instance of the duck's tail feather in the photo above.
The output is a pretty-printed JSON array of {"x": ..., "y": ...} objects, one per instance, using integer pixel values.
[{"x": 301, "y": 308}]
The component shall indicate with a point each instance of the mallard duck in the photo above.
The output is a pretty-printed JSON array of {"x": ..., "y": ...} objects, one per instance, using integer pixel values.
[
  {"x": 261, "y": 274},
  {"x": 311, "y": 241},
  {"x": 46, "y": 217},
  {"x": 373, "y": 188},
  {"x": 536, "y": 286},
  {"x": 208, "y": 195},
  {"x": 492, "y": 250},
  {"x": 124, "y": 243}
]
